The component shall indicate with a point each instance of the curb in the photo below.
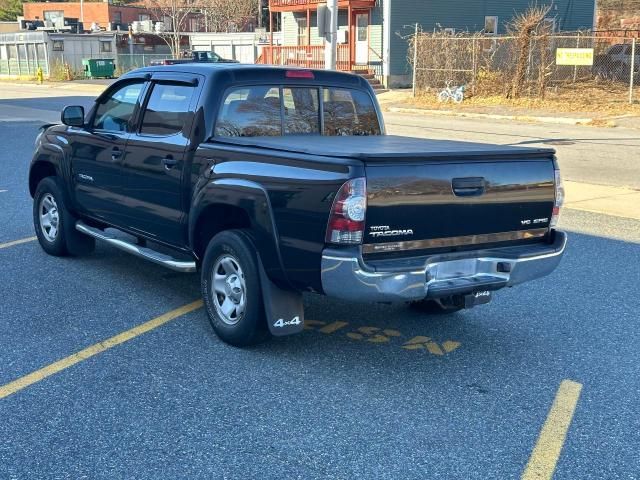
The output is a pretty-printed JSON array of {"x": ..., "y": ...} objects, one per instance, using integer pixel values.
[{"x": 521, "y": 118}]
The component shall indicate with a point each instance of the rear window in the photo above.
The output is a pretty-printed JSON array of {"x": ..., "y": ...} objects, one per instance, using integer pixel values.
[{"x": 274, "y": 111}]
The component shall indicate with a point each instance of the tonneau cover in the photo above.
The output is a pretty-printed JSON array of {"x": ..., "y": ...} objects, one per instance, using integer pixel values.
[{"x": 385, "y": 147}]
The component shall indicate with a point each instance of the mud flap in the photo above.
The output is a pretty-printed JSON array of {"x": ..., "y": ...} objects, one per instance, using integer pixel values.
[{"x": 283, "y": 308}]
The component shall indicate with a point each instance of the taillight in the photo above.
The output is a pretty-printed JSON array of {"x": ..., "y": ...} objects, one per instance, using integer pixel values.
[
  {"x": 346, "y": 221},
  {"x": 559, "y": 197}
]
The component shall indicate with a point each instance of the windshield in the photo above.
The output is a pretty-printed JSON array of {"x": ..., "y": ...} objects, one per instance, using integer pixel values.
[{"x": 274, "y": 111}]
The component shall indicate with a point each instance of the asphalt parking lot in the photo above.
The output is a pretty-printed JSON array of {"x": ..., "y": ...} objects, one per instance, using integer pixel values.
[{"x": 366, "y": 392}]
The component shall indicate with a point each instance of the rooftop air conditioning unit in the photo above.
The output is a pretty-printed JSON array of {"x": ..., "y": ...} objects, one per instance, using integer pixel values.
[
  {"x": 136, "y": 27},
  {"x": 159, "y": 27}
]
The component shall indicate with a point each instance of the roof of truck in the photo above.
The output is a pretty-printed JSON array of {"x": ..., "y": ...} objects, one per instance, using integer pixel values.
[{"x": 259, "y": 73}]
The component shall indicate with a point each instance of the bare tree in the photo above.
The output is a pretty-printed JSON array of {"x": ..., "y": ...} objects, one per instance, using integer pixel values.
[
  {"x": 229, "y": 15},
  {"x": 524, "y": 27},
  {"x": 175, "y": 14}
]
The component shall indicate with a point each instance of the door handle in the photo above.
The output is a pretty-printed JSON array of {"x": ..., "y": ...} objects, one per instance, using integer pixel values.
[
  {"x": 169, "y": 162},
  {"x": 468, "y": 186},
  {"x": 116, "y": 153}
]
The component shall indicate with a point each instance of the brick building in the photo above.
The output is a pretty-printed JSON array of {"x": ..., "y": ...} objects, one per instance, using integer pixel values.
[{"x": 102, "y": 13}]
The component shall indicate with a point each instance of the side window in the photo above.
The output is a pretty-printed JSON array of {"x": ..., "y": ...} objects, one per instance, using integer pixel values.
[
  {"x": 167, "y": 109},
  {"x": 250, "y": 112},
  {"x": 301, "y": 111},
  {"x": 114, "y": 112}
]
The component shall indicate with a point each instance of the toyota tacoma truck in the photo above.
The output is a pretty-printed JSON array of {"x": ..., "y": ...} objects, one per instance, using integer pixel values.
[{"x": 271, "y": 182}]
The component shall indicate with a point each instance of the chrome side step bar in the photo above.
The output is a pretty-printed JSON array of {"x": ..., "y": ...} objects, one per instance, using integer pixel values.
[{"x": 138, "y": 251}]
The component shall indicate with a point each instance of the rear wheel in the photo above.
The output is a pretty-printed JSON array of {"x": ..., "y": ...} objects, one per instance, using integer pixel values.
[
  {"x": 231, "y": 289},
  {"x": 440, "y": 306}
]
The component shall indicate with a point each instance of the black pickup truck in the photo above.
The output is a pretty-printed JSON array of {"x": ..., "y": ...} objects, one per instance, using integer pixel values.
[{"x": 272, "y": 182}]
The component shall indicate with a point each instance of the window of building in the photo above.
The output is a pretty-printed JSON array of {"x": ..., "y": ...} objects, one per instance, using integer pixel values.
[
  {"x": 117, "y": 17},
  {"x": 167, "y": 109},
  {"x": 114, "y": 111},
  {"x": 105, "y": 47},
  {"x": 302, "y": 30},
  {"x": 143, "y": 16},
  {"x": 491, "y": 25},
  {"x": 362, "y": 27},
  {"x": 550, "y": 25},
  {"x": 57, "y": 45},
  {"x": 54, "y": 15}
]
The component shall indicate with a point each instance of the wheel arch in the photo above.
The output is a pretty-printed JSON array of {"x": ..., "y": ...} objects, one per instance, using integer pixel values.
[
  {"x": 41, "y": 169},
  {"x": 226, "y": 204}
]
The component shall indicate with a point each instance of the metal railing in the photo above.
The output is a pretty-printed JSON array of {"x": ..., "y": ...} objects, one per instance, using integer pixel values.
[
  {"x": 283, "y": 4},
  {"x": 308, "y": 56}
]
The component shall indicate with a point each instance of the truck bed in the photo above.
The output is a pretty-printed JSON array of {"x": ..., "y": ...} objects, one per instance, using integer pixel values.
[{"x": 385, "y": 147}]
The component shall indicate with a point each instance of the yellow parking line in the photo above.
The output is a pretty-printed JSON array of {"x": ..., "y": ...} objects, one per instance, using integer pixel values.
[
  {"x": 53, "y": 368},
  {"x": 546, "y": 453},
  {"x": 17, "y": 242}
]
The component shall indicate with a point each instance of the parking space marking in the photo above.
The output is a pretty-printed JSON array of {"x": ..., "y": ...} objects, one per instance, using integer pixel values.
[
  {"x": 333, "y": 327},
  {"x": 17, "y": 242},
  {"x": 421, "y": 343},
  {"x": 546, "y": 453},
  {"x": 3, "y": 191},
  {"x": 377, "y": 335},
  {"x": 53, "y": 368}
]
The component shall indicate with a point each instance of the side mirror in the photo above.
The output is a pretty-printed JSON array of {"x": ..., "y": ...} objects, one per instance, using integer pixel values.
[{"x": 73, "y": 116}]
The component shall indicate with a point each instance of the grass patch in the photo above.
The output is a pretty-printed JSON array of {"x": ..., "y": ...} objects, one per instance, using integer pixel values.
[{"x": 602, "y": 99}]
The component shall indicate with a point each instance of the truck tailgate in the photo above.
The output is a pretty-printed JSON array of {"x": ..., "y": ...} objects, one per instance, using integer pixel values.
[{"x": 457, "y": 204}]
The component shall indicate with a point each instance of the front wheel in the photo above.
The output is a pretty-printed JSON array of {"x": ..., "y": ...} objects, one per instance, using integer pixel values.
[
  {"x": 443, "y": 97},
  {"x": 54, "y": 224},
  {"x": 231, "y": 289}
]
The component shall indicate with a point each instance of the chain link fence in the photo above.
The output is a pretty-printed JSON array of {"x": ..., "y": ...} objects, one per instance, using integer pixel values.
[{"x": 493, "y": 65}]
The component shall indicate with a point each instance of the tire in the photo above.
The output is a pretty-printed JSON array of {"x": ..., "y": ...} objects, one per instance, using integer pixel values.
[
  {"x": 54, "y": 224},
  {"x": 458, "y": 97},
  {"x": 443, "y": 97},
  {"x": 441, "y": 306},
  {"x": 231, "y": 289}
]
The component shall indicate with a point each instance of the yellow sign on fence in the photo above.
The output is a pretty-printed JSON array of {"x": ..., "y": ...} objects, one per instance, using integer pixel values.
[{"x": 574, "y": 56}]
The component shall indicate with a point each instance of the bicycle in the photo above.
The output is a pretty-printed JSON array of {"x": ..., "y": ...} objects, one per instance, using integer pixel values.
[{"x": 456, "y": 94}]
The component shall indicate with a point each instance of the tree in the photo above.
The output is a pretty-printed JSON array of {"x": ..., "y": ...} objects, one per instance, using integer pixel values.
[
  {"x": 10, "y": 9},
  {"x": 524, "y": 27},
  {"x": 227, "y": 15},
  {"x": 175, "y": 14}
]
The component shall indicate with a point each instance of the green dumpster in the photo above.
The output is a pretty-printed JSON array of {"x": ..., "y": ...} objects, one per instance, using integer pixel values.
[{"x": 98, "y": 67}]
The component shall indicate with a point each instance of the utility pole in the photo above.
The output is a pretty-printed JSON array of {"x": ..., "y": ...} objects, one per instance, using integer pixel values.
[{"x": 331, "y": 36}]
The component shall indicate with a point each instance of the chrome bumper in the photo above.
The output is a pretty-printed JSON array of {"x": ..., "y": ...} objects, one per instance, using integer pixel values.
[{"x": 345, "y": 275}]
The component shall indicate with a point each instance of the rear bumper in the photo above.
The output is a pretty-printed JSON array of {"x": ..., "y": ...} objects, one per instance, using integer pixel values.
[{"x": 345, "y": 275}]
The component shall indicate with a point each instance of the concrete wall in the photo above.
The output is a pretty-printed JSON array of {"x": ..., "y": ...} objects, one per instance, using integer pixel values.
[{"x": 241, "y": 46}]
